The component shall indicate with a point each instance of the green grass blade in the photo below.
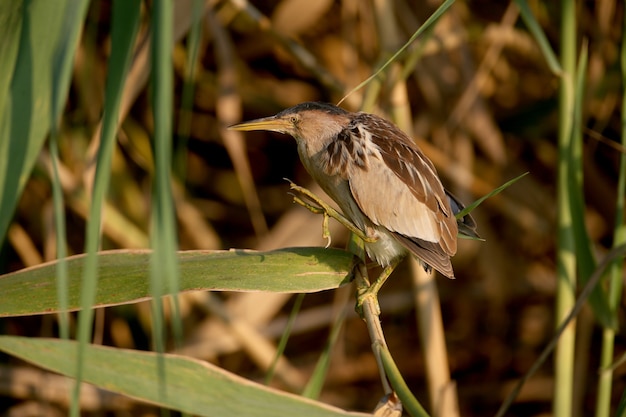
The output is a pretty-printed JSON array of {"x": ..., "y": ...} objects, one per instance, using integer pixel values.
[
  {"x": 124, "y": 276},
  {"x": 33, "y": 35},
  {"x": 586, "y": 263},
  {"x": 123, "y": 32},
  {"x": 10, "y": 28},
  {"x": 542, "y": 40},
  {"x": 467, "y": 210},
  {"x": 62, "y": 275},
  {"x": 566, "y": 250},
  {"x": 426, "y": 26},
  {"x": 316, "y": 382},
  {"x": 63, "y": 58},
  {"x": 200, "y": 388},
  {"x": 163, "y": 264},
  {"x": 187, "y": 94},
  {"x": 615, "y": 254},
  {"x": 62, "y": 69},
  {"x": 615, "y": 288},
  {"x": 282, "y": 344}
]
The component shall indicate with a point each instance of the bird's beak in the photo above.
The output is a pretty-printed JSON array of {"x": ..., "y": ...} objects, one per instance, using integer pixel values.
[{"x": 272, "y": 124}]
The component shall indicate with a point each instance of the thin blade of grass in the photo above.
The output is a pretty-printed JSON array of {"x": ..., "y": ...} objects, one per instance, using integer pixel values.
[
  {"x": 123, "y": 32},
  {"x": 467, "y": 210},
  {"x": 540, "y": 37},
  {"x": 62, "y": 274},
  {"x": 613, "y": 255},
  {"x": 316, "y": 382},
  {"x": 61, "y": 72},
  {"x": 163, "y": 264},
  {"x": 614, "y": 365},
  {"x": 187, "y": 99},
  {"x": 282, "y": 344},
  {"x": 586, "y": 262},
  {"x": 427, "y": 24},
  {"x": 615, "y": 288}
]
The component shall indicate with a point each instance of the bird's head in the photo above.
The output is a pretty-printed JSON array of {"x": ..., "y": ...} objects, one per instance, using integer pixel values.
[{"x": 310, "y": 123}]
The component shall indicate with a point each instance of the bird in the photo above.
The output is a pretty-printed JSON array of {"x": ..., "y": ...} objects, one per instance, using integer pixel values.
[{"x": 380, "y": 179}]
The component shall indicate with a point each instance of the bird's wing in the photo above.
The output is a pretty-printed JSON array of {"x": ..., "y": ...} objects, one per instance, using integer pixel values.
[
  {"x": 430, "y": 254},
  {"x": 466, "y": 224},
  {"x": 398, "y": 188}
]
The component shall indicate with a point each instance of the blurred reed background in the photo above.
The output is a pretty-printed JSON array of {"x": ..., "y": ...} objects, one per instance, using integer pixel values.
[{"x": 477, "y": 95}]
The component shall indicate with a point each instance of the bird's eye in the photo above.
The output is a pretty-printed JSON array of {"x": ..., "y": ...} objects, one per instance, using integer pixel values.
[{"x": 293, "y": 119}]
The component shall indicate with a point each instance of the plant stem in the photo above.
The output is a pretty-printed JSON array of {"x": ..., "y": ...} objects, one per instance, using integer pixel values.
[
  {"x": 603, "y": 403},
  {"x": 566, "y": 256}
]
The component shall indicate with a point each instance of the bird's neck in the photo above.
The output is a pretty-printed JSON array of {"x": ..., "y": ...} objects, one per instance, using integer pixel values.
[{"x": 312, "y": 146}]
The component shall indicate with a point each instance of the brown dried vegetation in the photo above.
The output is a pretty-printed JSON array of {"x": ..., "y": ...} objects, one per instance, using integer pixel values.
[{"x": 480, "y": 101}]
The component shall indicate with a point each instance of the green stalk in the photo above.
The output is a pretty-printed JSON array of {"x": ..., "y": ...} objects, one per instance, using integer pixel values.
[
  {"x": 160, "y": 262},
  {"x": 125, "y": 26},
  {"x": 427, "y": 24},
  {"x": 540, "y": 37},
  {"x": 603, "y": 404},
  {"x": 163, "y": 266},
  {"x": 282, "y": 344},
  {"x": 314, "y": 387},
  {"x": 61, "y": 73},
  {"x": 189, "y": 83},
  {"x": 566, "y": 257},
  {"x": 61, "y": 235}
]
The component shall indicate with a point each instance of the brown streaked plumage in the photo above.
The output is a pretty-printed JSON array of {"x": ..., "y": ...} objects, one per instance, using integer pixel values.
[{"x": 380, "y": 179}]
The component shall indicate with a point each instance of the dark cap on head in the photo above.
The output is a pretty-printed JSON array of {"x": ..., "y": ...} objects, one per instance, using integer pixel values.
[{"x": 313, "y": 105}]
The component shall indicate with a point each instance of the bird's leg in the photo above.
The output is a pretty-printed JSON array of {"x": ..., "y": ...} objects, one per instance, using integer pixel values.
[
  {"x": 316, "y": 210},
  {"x": 371, "y": 291},
  {"x": 327, "y": 211},
  {"x": 370, "y": 312}
]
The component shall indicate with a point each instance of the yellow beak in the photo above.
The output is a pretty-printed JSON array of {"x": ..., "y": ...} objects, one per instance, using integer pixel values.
[{"x": 271, "y": 123}]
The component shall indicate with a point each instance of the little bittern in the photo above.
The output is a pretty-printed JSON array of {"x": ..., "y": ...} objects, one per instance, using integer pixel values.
[{"x": 380, "y": 179}]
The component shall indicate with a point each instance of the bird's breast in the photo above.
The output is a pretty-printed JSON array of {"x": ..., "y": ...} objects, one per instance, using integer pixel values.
[{"x": 336, "y": 186}]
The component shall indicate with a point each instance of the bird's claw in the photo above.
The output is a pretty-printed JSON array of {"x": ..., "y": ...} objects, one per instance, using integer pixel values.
[
  {"x": 317, "y": 210},
  {"x": 313, "y": 209},
  {"x": 321, "y": 208},
  {"x": 327, "y": 211},
  {"x": 364, "y": 296},
  {"x": 326, "y": 230}
]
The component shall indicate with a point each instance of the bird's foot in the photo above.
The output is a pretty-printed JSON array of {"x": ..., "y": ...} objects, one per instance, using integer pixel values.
[
  {"x": 321, "y": 207},
  {"x": 316, "y": 210},
  {"x": 370, "y": 292},
  {"x": 366, "y": 296}
]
